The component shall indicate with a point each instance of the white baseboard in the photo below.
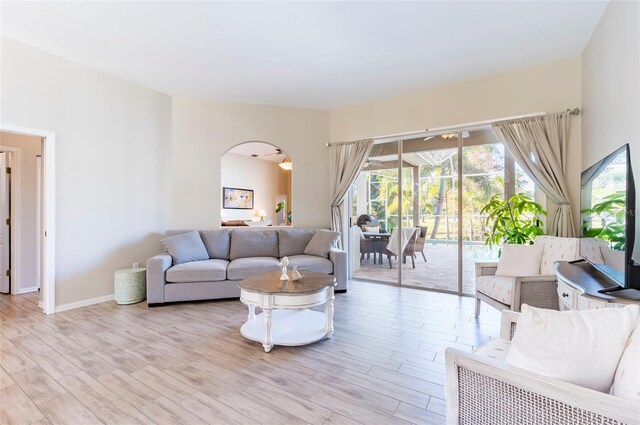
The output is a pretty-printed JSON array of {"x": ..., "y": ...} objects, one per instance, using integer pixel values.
[
  {"x": 84, "y": 303},
  {"x": 28, "y": 290}
]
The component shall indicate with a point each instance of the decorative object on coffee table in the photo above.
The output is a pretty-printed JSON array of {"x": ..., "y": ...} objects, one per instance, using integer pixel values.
[
  {"x": 130, "y": 285},
  {"x": 286, "y": 318},
  {"x": 295, "y": 275},
  {"x": 284, "y": 262}
]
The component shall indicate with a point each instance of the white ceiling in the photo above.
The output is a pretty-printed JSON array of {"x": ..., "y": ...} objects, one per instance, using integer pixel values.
[
  {"x": 307, "y": 54},
  {"x": 264, "y": 151}
]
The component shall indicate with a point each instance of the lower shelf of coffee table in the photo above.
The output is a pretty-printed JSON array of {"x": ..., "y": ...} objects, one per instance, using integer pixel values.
[{"x": 288, "y": 327}]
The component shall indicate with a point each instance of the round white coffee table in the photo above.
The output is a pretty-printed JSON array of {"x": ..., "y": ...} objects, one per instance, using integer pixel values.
[{"x": 286, "y": 318}]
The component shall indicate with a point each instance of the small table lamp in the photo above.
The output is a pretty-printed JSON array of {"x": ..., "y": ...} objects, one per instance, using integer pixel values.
[{"x": 262, "y": 214}]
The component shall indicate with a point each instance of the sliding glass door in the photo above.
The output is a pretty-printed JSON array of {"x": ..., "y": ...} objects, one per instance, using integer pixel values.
[
  {"x": 433, "y": 230},
  {"x": 431, "y": 184},
  {"x": 375, "y": 215}
]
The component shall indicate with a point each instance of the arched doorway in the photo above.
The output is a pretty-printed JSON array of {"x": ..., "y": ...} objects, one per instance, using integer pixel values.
[{"x": 256, "y": 182}]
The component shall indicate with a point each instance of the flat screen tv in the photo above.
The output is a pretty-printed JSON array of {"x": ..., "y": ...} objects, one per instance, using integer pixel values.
[{"x": 607, "y": 217}]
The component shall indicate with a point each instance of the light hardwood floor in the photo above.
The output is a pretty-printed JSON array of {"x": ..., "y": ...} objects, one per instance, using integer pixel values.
[{"x": 188, "y": 364}]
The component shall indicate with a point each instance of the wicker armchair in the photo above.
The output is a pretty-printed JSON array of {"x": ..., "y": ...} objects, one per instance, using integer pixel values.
[
  {"x": 420, "y": 242},
  {"x": 482, "y": 389},
  {"x": 506, "y": 292}
]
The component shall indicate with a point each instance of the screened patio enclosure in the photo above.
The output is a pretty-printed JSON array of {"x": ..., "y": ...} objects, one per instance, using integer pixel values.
[{"x": 446, "y": 180}]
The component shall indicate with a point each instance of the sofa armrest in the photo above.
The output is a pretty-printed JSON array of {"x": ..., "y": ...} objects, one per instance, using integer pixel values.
[
  {"x": 157, "y": 267},
  {"x": 536, "y": 291},
  {"x": 486, "y": 268},
  {"x": 480, "y": 390},
  {"x": 339, "y": 259}
]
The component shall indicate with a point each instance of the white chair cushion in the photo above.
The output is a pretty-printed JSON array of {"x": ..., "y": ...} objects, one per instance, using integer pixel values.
[
  {"x": 580, "y": 347},
  {"x": 555, "y": 248},
  {"x": 626, "y": 383},
  {"x": 519, "y": 260},
  {"x": 500, "y": 288}
]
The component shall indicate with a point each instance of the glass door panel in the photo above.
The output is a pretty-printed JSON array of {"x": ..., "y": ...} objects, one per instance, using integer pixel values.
[
  {"x": 374, "y": 215},
  {"x": 483, "y": 176},
  {"x": 430, "y": 181}
]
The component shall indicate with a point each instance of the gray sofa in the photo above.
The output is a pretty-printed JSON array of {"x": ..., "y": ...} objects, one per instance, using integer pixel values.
[{"x": 233, "y": 255}]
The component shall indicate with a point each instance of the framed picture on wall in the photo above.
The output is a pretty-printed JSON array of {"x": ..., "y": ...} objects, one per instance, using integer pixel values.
[{"x": 237, "y": 199}]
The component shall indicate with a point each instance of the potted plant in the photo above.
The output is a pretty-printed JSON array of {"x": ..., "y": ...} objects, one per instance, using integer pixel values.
[
  {"x": 515, "y": 220},
  {"x": 282, "y": 206}
]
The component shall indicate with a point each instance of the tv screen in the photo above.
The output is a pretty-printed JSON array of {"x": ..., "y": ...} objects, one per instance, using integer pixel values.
[{"x": 605, "y": 214}]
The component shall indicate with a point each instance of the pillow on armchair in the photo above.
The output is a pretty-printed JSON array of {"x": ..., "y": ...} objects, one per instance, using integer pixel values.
[
  {"x": 580, "y": 347},
  {"x": 519, "y": 260}
]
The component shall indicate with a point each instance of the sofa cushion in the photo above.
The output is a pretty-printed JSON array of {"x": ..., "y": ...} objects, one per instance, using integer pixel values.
[
  {"x": 311, "y": 263},
  {"x": 321, "y": 243},
  {"x": 242, "y": 267},
  {"x": 500, "y": 288},
  {"x": 555, "y": 248},
  {"x": 626, "y": 382},
  {"x": 217, "y": 242},
  {"x": 580, "y": 347},
  {"x": 519, "y": 260},
  {"x": 185, "y": 247},
  {"x": 253, "y": 243},
  {"x": 198, "y": 271},
  {"x": 294, "y": 241}
]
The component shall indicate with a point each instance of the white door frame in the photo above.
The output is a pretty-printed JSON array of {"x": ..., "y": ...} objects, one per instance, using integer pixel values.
[
  {"x": 48, "y": 289},
  {"x": 14, "y": 213}
]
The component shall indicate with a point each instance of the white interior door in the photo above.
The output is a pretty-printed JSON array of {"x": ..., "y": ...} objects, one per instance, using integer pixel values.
[
  {"x": 5, "y": 206},
  {"x": 39, "y": 220}
]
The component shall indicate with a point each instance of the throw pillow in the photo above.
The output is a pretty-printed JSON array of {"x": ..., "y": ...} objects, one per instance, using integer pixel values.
[
  {"x": 580, "y": 347},
  {"x": 626, "y": 382},
  {"x": 185, "y": 247},
  {"x": 519, "y": 260},
  {"x": 371, "y": 229},
  {"x": 321, "y": 243}
]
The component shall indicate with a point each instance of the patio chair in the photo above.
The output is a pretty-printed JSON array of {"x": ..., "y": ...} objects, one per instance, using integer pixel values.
[
  {"x": 420, "y": 242},
  {"x": 409, "y": 250},
  {"x": 367, "y": 246}
]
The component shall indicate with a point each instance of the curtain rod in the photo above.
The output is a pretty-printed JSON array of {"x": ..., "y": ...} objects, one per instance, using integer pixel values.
[{"x": 413, "y": 134}]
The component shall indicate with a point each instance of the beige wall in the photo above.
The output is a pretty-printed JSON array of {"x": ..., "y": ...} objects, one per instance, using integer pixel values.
[
  {"x": 113, "y": 148},
  {"x": 259, "y": 175},
  {"x": 611, "y": 90},
  {"x": 551, "y": 87},
  {"x": 203, "y": 130},
  {"x": 30, "y": 147}
]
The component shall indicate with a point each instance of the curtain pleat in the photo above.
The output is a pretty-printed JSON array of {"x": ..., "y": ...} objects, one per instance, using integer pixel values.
[
  {"x": 540, "y": 144},
  {"x": 345, "y": 163}
]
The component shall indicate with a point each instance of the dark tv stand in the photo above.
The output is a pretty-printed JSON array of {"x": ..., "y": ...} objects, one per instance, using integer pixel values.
[{"x": 577, "y": 280}]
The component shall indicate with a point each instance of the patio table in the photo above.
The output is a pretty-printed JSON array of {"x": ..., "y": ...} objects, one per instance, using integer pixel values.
[{"x": 380, "y": 247}]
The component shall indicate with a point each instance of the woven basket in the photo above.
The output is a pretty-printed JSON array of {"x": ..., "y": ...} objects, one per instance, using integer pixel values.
[{"x": 130, "y": 285}]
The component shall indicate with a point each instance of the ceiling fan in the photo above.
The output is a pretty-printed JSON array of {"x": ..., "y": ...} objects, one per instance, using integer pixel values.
[
  {"x": 370, "y": 162},
  {"x": 277, "y": 152}
]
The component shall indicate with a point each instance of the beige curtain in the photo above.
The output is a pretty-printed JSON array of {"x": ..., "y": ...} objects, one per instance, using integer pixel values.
[
  {"x": 346, "y": 159},
  {"x": 539, "y": 144}
]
